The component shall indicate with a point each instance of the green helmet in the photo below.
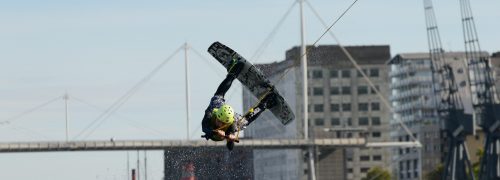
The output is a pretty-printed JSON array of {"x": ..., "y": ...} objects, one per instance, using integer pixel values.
[{"x": 224, "y": 114}]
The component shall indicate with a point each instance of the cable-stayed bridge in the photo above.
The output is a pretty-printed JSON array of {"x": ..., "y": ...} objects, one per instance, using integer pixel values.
[
  {"x": 124, "y": 145},
  {"x": 112, "y": 145}
]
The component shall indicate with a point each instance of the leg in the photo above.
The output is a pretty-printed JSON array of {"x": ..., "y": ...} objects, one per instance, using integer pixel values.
[
  {"x": 252, "y": 116},
  {"x": 266, "y": 103}
]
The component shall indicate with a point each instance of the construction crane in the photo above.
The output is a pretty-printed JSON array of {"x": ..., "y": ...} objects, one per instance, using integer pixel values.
[
  {"x": 456, "y": 123},
  {"x": 485, "y": 101}
]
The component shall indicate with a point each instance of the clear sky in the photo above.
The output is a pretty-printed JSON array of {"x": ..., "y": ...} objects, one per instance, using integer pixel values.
[{"x": 98, "y": 50}]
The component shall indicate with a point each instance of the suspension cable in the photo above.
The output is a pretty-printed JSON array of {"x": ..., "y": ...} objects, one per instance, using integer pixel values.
[
  {"x": 307, "y": 50},
  {"x": 365, "y": 77},
  {"x": 271, "y": 35},
  {"x": 118, "y": 103},
  {"x": 207, "y": 61},
  {"x": 133, "y": 123},
  {"x": 17, "y": 117}
]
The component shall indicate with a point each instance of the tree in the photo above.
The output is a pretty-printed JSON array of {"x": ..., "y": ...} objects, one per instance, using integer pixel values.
[
  {"x": 435, "y": 174},
  {"x": 377, "y": 173},
  {"x": 477, "y": 165}
]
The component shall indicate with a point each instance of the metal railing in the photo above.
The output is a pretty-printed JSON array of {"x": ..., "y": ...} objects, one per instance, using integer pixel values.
[{"x": 164, "y": 144}]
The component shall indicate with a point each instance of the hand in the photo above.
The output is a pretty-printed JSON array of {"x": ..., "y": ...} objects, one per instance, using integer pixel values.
[
  {"x": 231, "y": 137},
  {"x": 220, "y": 133}
]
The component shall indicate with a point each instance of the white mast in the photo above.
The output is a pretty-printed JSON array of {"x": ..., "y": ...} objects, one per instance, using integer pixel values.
[
  {"x": 145, "y": 165},
  {"x": 128, "y": 167},
  {"x": 186, "y": 48},
  {"x": 66, "y": 98},
  {"x": 304, "y": 89}
]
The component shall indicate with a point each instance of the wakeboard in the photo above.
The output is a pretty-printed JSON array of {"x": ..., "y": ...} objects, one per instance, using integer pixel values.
[{"x": 254, "y": 80}]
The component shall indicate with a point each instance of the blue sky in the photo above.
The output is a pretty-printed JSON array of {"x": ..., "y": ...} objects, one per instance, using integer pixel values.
[{"x": 98, "y": 50}]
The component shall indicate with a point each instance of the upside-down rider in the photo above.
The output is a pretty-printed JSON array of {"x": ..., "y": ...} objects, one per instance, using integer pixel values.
[{"x": 220, "y": 122}]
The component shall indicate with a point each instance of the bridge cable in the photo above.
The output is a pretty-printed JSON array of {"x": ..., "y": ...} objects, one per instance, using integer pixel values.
[
  {"x": 358, "y": 68},
  {"x": 29, "y": 132},
  {"x": 386, "y": 103},
  {"x": 132, "y": 91},
  {"x": 305, "y": 53},
  {"x": 17, "y": 117},
  {"x": 232, "y": 90},
  {"x": 209, "y": 62},
  {"x": 271, "y": 35},
  {"x": 132, "y": 123},
  {"x": 118, "y": 103}
]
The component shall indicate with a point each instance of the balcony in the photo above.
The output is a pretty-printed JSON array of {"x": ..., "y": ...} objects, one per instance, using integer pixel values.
[
  {"x": 409, "y": 69},
  {"x": 410, "y": 81},
  {"x": 410, "y": 93}
]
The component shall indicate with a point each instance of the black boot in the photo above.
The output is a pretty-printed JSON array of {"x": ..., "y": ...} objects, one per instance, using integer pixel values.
[
  {"x": 230, "y": 145},
  {"x": 235, "y": 68},
  {"x": 269, "y": 101}
]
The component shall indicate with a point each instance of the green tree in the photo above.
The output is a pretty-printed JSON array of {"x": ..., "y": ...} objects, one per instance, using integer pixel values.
[
  {"x": 435, "y": 174},
  {"x": 477, "y": 165},
  {"x": 377, "y": 173}
]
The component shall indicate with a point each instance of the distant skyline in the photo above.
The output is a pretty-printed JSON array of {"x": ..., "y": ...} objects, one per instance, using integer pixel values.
[{"x": 96, "y": 51}]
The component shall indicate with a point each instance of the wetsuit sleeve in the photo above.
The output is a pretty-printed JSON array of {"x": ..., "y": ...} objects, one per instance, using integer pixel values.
[
  {"x": 205, "y": 124},
  {"x": 225, "y": 85},
  {"x": 232, "y": 129}
]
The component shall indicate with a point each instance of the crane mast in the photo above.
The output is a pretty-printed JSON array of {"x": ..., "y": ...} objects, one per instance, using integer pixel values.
[
  {"x": 485, "y": 101},
  {"x": 455, "y": 122}
]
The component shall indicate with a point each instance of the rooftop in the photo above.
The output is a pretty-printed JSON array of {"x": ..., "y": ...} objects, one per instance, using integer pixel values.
[{"x": 330, "y": 55}]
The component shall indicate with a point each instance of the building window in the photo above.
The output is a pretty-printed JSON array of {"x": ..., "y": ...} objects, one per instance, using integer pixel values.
[
  {"x": 376, "y": 121},
  {"x": 334, "y": 107},
  {"x": 318, "y": 91},
  {"x": 319, "y": 122},
  {"x": 363, "y": 121},
  {"x": 374, "y": 72},
  {"x": 349, "y": 170},
  {"x": 317, "y": 74},
  {"x": 364, "y": 158},
  {"x": 318, "y": 108},
  {"x": 373, "y": 91},
  {"x": 363, "y": 106},
  {"x": 375, "y": 106},
  {"x": 360, "y": 75},
  {"x": 346, "y": 73},
  {"x": 334, "y": 91},
  {"x": 376, "y": 134},
  {"x": 335, "y": 122},
  {"x": 408, "y": 174},
  {"x": 463, "y": 84},
  {"x": 364, "y": 169},
  {"x": 346, "y": 90},
  {"x": 349, "y": 122},
  {"x": 377, "y": 158},
  {"x": 346, "y": 107},
  {"x": 334, "y": 74},
  {"x": 362, "y": 90}
]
